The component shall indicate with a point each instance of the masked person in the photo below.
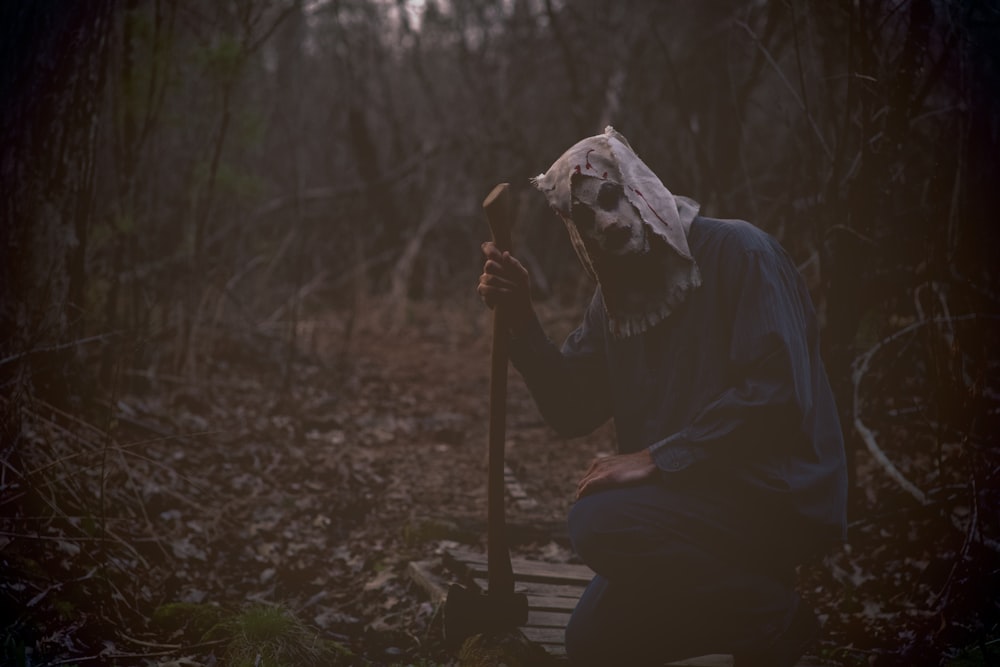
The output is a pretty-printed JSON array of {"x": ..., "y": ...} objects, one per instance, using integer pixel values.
[{"x": 701, "y": 343}]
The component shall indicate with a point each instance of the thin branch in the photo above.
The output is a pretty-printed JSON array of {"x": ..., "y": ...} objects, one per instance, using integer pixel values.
[
  {"x": 861, "y": 367},
  {"x": 58, "y": 346},
  {"x": 789, "y": 86},
  {"x": 251, "y": 45}
]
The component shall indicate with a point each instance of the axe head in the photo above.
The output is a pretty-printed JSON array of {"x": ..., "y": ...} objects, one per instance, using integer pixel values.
[{"x": 468, "y": 613}]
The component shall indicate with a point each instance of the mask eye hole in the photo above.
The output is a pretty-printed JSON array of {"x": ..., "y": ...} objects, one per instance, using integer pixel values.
[
  {"x": 609, "y": 195},
  {"x": 583, "y": 216}
]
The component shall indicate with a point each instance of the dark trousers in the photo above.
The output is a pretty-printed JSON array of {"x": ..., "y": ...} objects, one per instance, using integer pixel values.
[{"x": 684, "y": 568}]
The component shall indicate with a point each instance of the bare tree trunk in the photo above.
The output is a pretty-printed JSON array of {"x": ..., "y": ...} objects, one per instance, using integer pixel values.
[
  {"x": 126, "y": 154},
  {"x": 49, "y": 126}
]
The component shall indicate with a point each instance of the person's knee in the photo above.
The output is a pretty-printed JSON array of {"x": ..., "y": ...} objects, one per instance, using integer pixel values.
[
  {"x": 576, "y": 643},
  {"x": 586, "y": 640},
  {"x": 620, "y": 533},
  {"x": 593, "y": 639},
  {"x": 588, "y": 521},
  {"x": 579, "y": 648}
]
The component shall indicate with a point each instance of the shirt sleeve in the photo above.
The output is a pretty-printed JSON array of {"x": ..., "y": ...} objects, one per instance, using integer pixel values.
[
  {"x": 772, "y": 324},
  {"x": 569, "y": 385}
]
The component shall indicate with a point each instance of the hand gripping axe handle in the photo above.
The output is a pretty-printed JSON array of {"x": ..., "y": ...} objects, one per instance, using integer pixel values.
[{"x": 467, "y": 612}]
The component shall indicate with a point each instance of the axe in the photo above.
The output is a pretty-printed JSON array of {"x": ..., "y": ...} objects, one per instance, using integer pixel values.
[{"x": 468, "y": 612}]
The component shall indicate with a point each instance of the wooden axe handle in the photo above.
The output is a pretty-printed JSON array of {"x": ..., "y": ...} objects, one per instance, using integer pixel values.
[
  {"x": 499, "y": 214},
  {"x": 500, "y": 574}
]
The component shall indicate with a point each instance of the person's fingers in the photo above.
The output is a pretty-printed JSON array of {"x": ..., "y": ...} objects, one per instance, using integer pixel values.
[
  {"x": 590, "y": 484},
  {"x": 493, "y": 270},
  {"x": 512, "y": 261},
  {"x": 594, "y": 474},
  {"x": 504, "y": 279},
  {"x": 597, "y": 464},
  {"x": 490, "y": 251},
  {"x": 497, "y": 285},
  {"x": 587, "y": 478},
  {"x": 612, "y": 471},
  {"x": 507, "y": 269},
  {"x": 503, "y": 258},
  {"x": 493, "y": 294}
]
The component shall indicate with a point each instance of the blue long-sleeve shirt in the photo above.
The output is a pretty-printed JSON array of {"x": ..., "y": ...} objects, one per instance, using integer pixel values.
[{"x": 732, "y": 378}]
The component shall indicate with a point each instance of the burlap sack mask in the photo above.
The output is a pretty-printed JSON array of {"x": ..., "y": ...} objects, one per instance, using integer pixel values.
[{"x": 643, "y": 290}]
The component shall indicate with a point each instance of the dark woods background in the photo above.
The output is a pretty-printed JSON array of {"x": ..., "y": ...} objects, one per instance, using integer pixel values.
[
  {"x": 173, "y": 168},
  {"x": 183, "y": 180}
]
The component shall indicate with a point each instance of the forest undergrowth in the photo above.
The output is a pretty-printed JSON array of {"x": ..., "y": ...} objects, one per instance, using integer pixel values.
[{"x": 235, "y": 518}]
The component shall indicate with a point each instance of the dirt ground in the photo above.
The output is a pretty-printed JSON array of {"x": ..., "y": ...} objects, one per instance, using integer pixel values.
[{"x": 314, "y": 490}]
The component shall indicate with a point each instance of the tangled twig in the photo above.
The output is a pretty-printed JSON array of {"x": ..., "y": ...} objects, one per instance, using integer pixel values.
[{"x": 861, "y": 367}]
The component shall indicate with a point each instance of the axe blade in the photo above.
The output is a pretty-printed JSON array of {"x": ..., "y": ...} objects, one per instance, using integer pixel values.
[{"x": 468, "y": 613}]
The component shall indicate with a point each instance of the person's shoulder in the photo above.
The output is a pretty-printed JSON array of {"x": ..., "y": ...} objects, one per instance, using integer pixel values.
[{"x": 732, "y": 235}]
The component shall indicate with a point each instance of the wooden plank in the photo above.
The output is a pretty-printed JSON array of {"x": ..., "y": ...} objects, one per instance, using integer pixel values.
[
  {"x": 573, "y": 591},
  {"x": 554, "y": 650},
  {"x": 547, "y": 619},
  {"x": 551, "y": 599},
  {"x": 545, "y": 635},
  {"x": 542, "y": 598},
  {"x": 542, "y": 603},
  {"x": 566, "y": 601},
  {"x": 554, "y": 590},
  {"x": 516, "y": 491},
  {"x": 527, "y": 570}
]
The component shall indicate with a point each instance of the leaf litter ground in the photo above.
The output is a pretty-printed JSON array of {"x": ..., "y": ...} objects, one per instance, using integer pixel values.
[{"x": 313, "y": 493}]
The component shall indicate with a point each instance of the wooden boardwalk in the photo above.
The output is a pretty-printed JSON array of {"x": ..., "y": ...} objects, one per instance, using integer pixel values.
[{"x": 552, "y": 590}]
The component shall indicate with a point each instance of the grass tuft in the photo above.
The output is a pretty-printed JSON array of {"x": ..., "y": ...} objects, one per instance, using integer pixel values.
[{"x": 271, "y": 636}]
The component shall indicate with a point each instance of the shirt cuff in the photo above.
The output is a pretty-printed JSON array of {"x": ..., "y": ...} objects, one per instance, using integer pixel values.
[{"x": 674, "y": 454}]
